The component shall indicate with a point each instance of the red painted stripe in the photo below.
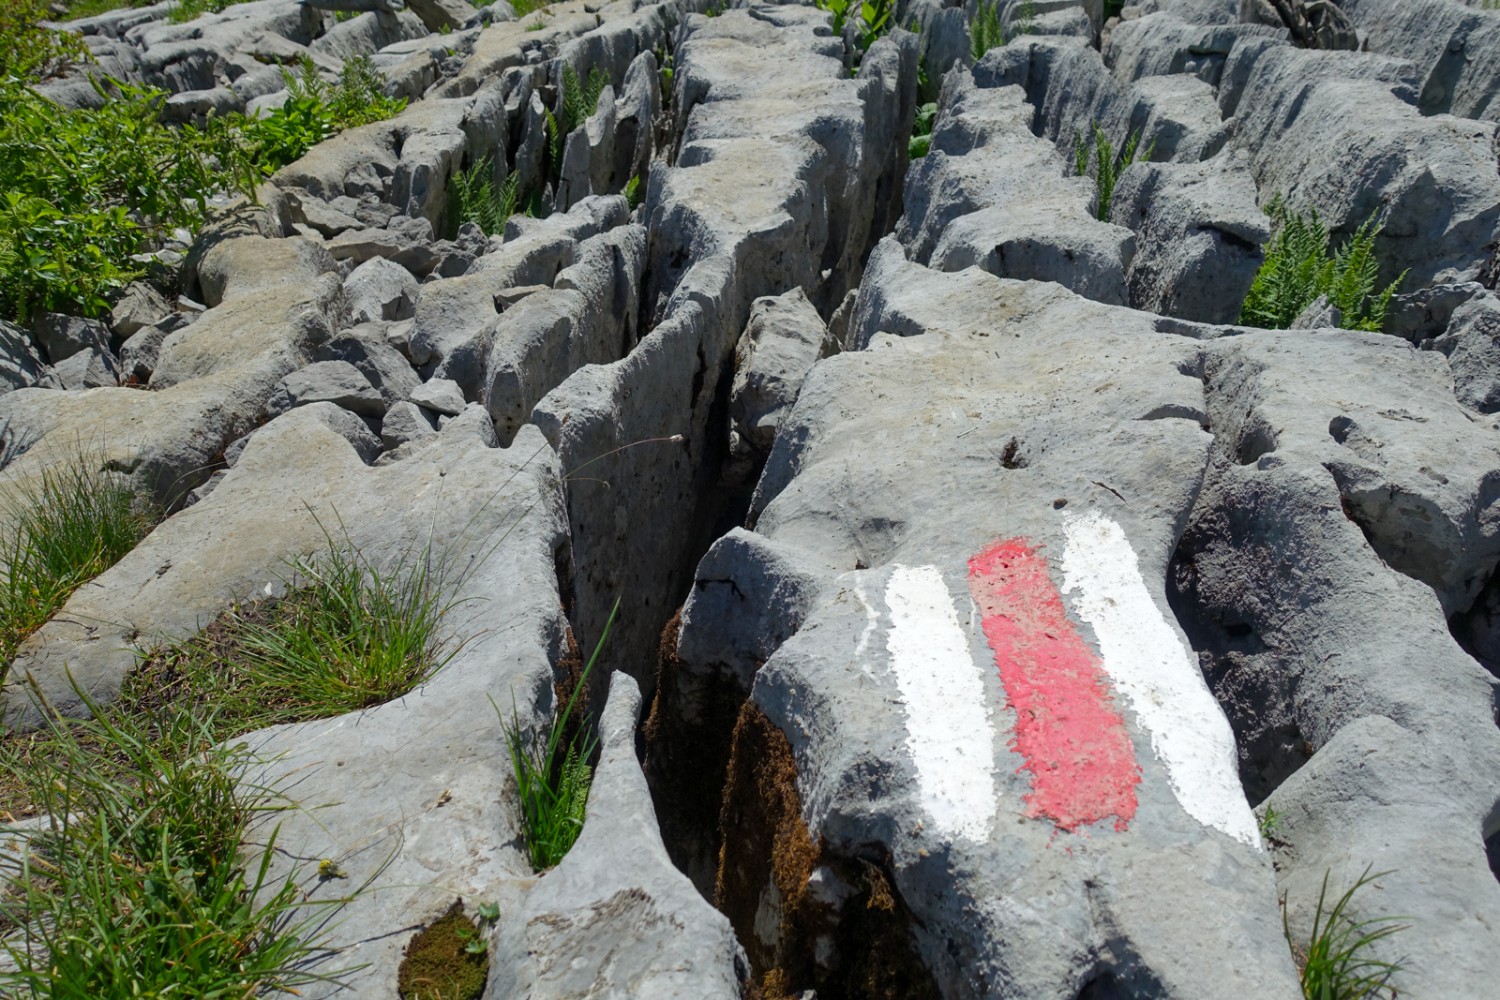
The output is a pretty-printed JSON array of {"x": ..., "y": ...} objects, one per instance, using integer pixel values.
[{"x": 1074, "y": 743}]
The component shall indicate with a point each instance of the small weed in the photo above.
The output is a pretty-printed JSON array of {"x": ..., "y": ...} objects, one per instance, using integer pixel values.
[
  {"x": 552, "y": 780},
  {"x": 188, "y": 10},
  {"x": 1269, "y": 823},
  {"x": 536, "y": 25},
  {"x": 1107, "y": 167},
  {"x": 75, "y": 523},
  {"x": 986, "y": 32},
  {"x": 524, "y": 7},
  {"x": 446, "y": 961},
  {"x": 479, "y": 201},
  {"x": 921, "y": 132},
  {"x": 1299, "y": 267},
  {"x": 1335, "y": 963},
  {"x": 634, "y": 192},
  {"x": 138, "y": 884}
]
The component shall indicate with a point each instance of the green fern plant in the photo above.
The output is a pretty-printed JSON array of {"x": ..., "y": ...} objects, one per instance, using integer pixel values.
[
  {"x": 1106, "y": 165},
  {"x": 553, "y": 775},
  {"x": 579, "y": 99},
  {"x": 985, "y": 31},
  {"x": 1300, "y": 266},
  {"x": 1335, "y": 963},
  {"x": 480, "y": 201}
]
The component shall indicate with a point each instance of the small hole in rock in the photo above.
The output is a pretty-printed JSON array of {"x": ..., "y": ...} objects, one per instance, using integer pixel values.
[{"x": 1492, "y": 852}]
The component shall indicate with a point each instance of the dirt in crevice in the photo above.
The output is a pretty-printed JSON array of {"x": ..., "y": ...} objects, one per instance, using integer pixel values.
[
  {"x": 849, "y": 939},
  {"x": 687, "y": 736}
]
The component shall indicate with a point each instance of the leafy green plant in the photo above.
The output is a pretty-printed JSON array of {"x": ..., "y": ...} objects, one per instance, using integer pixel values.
[
  {"x": 985, "y": 31},
  {"x": 1335, "y": 963},
  {"x": 32, "y": 52},
  {"x": 552, "y": 776},
  {"x": 188, "y": 10},
  {"x": 1269, "y": 822},
  {"x": 921, "y": 131},
  {"x": 1299, "y": 267},
  {"x": 75, "y": 522},
  {"x": 89, "y": 187},
  {"x": 138, "y": 884},
  {"x": 874, "y": 19},
  {"x": 1098, "y": 159},
  {"x": 634, "y": 191},
  {"x": 480, "y": 201},
  {"x": 580, "y": 100},
  {"x": 1026, "y": 19},
  {"x": 316, "y": 110},
  {"x": 524, "y": 7}
]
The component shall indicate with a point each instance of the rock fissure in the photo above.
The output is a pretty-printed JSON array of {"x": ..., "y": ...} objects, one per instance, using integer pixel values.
[{"x": 978, "y": 570}]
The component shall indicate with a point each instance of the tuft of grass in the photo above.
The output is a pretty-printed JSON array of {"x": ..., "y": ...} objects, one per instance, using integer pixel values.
[
  {"x": 552, "y": 775},
  {"x": 986, "y": 32},
  {"x": 480, "y": 201},
  {"x": 137, "y": 884},
  {"x": 1106, "y": 166},
  {"x": 72, "y": 525},
  {"x": 1335, "y": 963},
  {"x": 348, "y": 635},
  {"x": 447, "y": 960},
  {"x": 1300, "y": 266}
]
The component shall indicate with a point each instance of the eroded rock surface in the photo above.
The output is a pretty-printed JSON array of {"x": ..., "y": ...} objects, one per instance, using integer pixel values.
[{"x": 999, "y": 617}]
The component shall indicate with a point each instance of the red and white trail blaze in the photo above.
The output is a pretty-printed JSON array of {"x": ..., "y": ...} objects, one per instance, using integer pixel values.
[{"x": 1068, "y": 732}]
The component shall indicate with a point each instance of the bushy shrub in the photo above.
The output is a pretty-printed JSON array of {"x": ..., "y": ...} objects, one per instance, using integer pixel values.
[
  {"x": 187, "y": 10},
  {"x": 315, "y": 110},
  {"x": 87, "y": 188},
  {"x": 1300, "y": 266},
  {"x": 32, "y": 52}
]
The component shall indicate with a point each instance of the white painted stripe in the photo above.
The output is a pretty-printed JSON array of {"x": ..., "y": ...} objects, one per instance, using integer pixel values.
[
  {"x": 1155, "y": 673},
  {"x": 948, "y": 730}
]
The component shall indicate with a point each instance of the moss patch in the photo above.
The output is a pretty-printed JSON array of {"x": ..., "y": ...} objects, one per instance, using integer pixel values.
[
  {"x": 688, "y": 734},
  {"x": 767, "y": 864},
  {"x": 437, "y": 964}
]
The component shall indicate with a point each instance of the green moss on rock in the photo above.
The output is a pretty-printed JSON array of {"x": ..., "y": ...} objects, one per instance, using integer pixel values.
[{"x": 438, "y": 965}]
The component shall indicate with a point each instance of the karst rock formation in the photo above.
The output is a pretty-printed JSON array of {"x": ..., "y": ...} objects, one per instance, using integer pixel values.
[{"x": 984, "y": 582}]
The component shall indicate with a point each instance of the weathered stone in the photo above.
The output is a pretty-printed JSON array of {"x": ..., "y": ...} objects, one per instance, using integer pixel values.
[
  {"x": 782, "y": 341},
  {"x": 405, "y": 422},
  {"x": 21, "y": 366},
  {"x": 1472, "y": 344},
  {"x": 336, "y": 382},
  {"x": 90, "y": 368},
  {"x": 140, "y": 305},
  {"x": 64, "y": 336},
  {"x": 1199, "y": 236},
  {"x": 443, "y": 15},
  {"x": 379, "y": 289},
  {"x": 440, "y": 395},
  {"x": 615, "y": 885}
]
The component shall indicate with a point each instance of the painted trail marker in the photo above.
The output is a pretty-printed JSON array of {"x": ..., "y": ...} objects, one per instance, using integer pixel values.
[
  {"x": 1153, "y": 673},
  {"x": 1068, "y": 732},
  {"x": 948, "y": 730}
]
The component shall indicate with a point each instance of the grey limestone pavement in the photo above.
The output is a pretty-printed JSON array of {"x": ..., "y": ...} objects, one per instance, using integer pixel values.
[{"x": 999, "y": 615}]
